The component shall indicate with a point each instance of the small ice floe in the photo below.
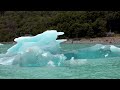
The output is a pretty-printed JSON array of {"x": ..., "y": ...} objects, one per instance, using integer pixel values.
[
  {"x": 1, "y": 44},
  {"x": 102, "y": 47},
  {"x": 50, "y": 63},
  {"x": 6, "y": 61},
  {"x": 75, "y": 62},
  {"x": 106, "y": 55},
  {"x": 44, "y": 54}
]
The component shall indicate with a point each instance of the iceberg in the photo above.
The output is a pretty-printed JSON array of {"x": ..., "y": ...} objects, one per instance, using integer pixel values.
[
  {"x": 39, "y": 50},
  {"x": 93, "y": 52},
  {"x": 44, "y": 50},
  {"x": 46, "y": 40}
]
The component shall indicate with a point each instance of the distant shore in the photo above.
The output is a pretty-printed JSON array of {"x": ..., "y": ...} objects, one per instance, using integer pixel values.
[
  {"x": 8, "y": 42},
  {"x": 101, "y": 40}
]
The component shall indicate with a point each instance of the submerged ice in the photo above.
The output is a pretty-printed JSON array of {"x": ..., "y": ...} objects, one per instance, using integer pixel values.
[
  {"x": 44, "y": 50},
  {"x": 96, "y": 51}
]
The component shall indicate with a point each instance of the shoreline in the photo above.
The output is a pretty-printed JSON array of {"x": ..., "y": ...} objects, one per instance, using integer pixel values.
[
  {"x": 7, "y": 42},
  {"x": 98, "y": 40},
  {"x": 101, "y": 40}
]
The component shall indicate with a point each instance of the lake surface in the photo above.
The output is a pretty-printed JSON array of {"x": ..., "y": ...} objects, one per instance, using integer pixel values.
[{"x": 102, "y": 68}]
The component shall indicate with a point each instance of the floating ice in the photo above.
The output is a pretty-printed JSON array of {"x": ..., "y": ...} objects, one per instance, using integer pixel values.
[
  {"x": 106, "y": 55},
  {"x": 96, "y": 51},
  {"x": 1, "y": 44},
  {"x": 75, "y": 62},
  {"x": 44, "y": 50},
  {"x": 51, "y": 63},
  {"x": 35, "y": 50},
  {"x": 46, "y": 40}
]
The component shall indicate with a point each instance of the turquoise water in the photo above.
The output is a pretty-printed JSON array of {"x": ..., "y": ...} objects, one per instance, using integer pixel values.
[{"x": 100, "y": 68}]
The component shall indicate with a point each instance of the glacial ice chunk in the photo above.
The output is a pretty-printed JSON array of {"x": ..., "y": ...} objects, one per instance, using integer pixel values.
[
  {"x": 93, "y": 52},
  {"x": 39, "y": 50},
  {"x": 44, "y": 50},
  {"x": 1, "y": 44}
]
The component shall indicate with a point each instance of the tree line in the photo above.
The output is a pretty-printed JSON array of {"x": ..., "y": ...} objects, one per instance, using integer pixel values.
[{"x": 75, "y": 24}]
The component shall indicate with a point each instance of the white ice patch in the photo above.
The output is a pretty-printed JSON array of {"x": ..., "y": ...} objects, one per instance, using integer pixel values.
[
  {"x": 1, "y": 44},
  {"x": 102, "y": 47},
  {"x": 106, "y": 55},
  {"x": 78, "y": 62},
  {"x": 9, "y": 61},
  {"x": 114, "y": 49},
  {"x": 60, "y": 33},
  {"x": 50, "y": 63},
  {"x": 44, "y": 54},
  {"x": 75, "y": 62}
]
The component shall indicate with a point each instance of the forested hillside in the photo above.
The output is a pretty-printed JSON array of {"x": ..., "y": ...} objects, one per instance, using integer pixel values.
[{"x": 75, "y": 24}]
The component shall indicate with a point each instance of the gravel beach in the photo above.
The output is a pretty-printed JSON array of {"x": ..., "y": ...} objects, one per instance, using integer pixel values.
[{"x": 102, "y": 40}]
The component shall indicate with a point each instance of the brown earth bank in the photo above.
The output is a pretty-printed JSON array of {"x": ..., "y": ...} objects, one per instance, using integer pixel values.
[
  {"x": 8, "y": 42},
  {"x": 100, "y": 40}
]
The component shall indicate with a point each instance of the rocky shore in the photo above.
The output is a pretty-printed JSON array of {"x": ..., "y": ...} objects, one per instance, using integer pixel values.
[
  {"x": 7, "y": 42},
  {"x": 102, "y": 40}
]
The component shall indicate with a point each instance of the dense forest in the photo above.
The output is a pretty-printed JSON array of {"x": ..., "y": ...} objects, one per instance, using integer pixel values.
[{"x": 75, "y": 24}]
